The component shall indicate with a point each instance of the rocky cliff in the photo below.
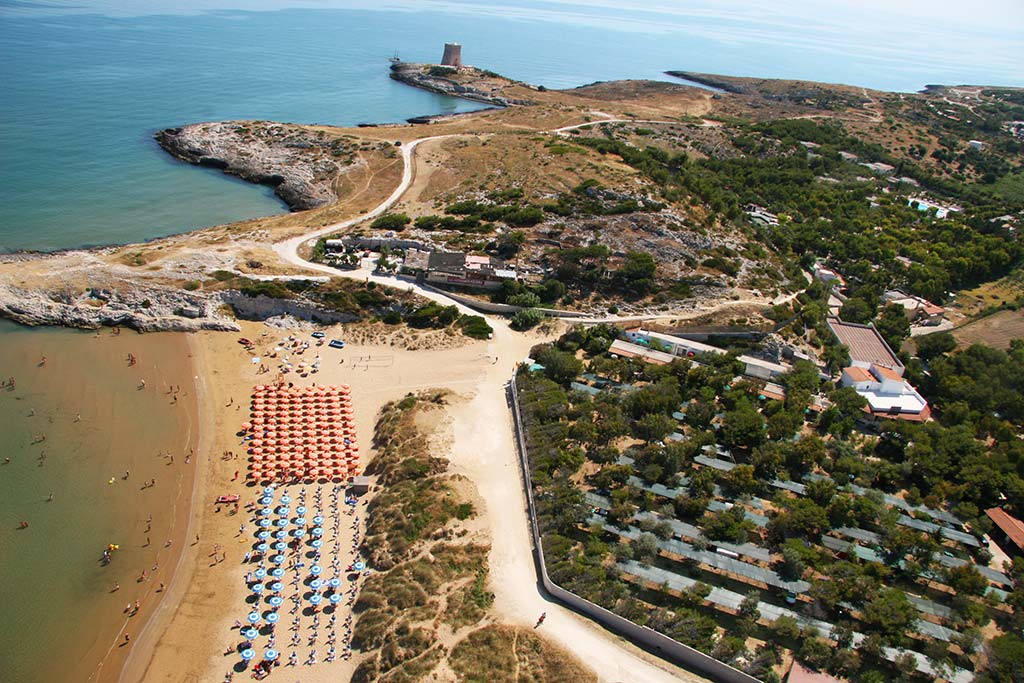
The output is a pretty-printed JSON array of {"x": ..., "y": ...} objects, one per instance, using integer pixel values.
[
  {"x": 301, "y": 165},
  {"x": 146, "y": 309}
]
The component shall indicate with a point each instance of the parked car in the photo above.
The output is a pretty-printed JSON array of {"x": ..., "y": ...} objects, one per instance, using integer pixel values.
[
  {"x": 336, "y": 344},
  {"x": 318, "y": 335}
]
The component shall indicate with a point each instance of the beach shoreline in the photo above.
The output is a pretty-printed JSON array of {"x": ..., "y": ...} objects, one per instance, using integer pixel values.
[{"x": 134, "y": 665}]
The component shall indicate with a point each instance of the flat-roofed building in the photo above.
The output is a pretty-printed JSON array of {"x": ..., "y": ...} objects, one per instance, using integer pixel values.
[
  {"x": 889, "y": 396},
  {"x": 625, "y": 349},
  {"x": 865, "y": 345},
  {"x": 677, "y": 346}
]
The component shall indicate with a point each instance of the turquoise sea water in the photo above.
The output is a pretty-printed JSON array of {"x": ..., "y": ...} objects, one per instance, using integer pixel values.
[{"x": 86, "y": 83}]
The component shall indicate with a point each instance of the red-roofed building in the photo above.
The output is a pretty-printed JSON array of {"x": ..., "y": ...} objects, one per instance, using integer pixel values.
[{"x": 1008, "y": 531}]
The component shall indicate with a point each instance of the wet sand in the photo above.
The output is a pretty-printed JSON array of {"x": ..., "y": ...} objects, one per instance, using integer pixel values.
[{"x": 99, "y": 426}]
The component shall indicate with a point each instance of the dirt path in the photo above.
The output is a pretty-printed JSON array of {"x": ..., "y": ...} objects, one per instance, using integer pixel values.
[{"x": 484, "y": 449}]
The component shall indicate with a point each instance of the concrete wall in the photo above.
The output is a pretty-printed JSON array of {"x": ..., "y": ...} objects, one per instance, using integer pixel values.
[{"x": 648, "y": 638}]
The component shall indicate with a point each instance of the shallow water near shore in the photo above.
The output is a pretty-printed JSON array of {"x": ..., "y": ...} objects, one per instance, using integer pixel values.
[{"x": 61, "y": 618}]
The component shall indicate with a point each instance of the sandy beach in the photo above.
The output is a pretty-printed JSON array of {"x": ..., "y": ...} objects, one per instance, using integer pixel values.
[
  {"x": 194, "y": 627},
  {"x": 193, "y": 636}
]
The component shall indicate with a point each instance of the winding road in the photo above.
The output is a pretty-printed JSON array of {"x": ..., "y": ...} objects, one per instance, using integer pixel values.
[{"x": 484, "y": 445}]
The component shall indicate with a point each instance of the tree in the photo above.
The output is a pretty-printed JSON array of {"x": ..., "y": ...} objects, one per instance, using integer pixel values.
[
  {"x": 815, "y": 653},
  {"x": 966, "y": 580},
  {"x": 741, "y": 480},
  {"x": 510, "y": 243},
  {"x": 654, "y": 427},
  {"x": 784, "y": 424},
  {"x": 935, "y": 344},
  {"x": 559, "y": 366},
  {"x": 646, "y": 547},
  {"x": 1005, "y": 660},
  {"x": 857, "y": 310},
  {"x": 893, "y": 325},
  {"x": 749, "y": 606},
  {"x": 743, "y": 427},
  {"x": 637, "y": 272},
  {"x": 526, "y": 319},
  {"x": 890, "y": 613},
  {"x": 391, "y": 221},
  {"x": 786, "y": 628}
]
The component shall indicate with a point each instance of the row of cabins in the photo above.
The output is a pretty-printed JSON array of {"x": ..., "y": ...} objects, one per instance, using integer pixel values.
[{"x": 664, "y": 348}]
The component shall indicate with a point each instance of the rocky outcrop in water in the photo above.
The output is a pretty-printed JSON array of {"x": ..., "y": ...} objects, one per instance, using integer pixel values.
[{"x": 301, "y": 165}]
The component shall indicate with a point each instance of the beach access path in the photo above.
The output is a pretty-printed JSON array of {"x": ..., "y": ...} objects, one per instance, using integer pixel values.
[{"x": 484, "y": 448}]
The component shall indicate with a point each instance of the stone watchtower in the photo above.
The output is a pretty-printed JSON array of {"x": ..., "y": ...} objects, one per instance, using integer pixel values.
[{"x": 452, "y": 55}]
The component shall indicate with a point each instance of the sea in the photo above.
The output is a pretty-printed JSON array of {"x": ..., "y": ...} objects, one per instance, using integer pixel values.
[{"x": 84, "y": 84}]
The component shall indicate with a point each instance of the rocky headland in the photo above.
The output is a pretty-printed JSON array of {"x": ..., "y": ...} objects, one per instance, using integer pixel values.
[
  {"x": 302, "y": 165},
  {"x": 466, "y": 82}
]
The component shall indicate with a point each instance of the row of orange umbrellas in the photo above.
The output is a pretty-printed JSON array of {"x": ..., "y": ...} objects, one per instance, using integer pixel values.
[{"x": 301, "y": 433}]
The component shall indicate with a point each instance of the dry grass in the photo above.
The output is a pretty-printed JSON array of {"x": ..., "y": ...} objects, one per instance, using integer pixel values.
[
  {"x": 996, "y": 330},
  {"x": 511, "y": 654}
]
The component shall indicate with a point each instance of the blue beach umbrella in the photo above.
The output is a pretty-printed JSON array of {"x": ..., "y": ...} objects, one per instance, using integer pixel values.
[
  {"x": 335, "y": 582},
  {"x": 257, "y": 588},
  {"x": 273, "y": 617},
  {"x": 264, "y": 523},
  {"x": 260, "y": 573},
  {"x": 336, "y": 598},
  {"x": 316, "y": 598},
  {"x": 359, "y": 566},
  {"x": 280, "y": 533},
  {"x": 262, "y": 547},
  {"x": 263, "y": 535},
  {"x": 277, "y": 559},
  {"x": 248, "y": 654},
  {"x": 250, "y": 633},
  {"x": 301, "y": 510},
  {"x": 300, "y": 521},
  {"x": 268, "y": 490},
  {"x": 318, "y": 520},
  {"x": 264, "y": 511},
  {"x": 277, "y": 573},
  {"x": 299, "y": 533},
  {"x": 276, "y": 601},
  {"x": 253, "y": 617},
  {"x": 315, "y": 570},
  {"x": 280, "y": 545},
  {"x": 317, "y": 531},
  {"x": 270, "y": 655},
  {"x": 276, "y": 586},
  {"x": 286, "y": 499},
  {"x": 266, "y": 500},
  {"x": 282, "y": 523},
  {"x": 315, "y": 584},
  {"x": 317, "y": 543}
]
